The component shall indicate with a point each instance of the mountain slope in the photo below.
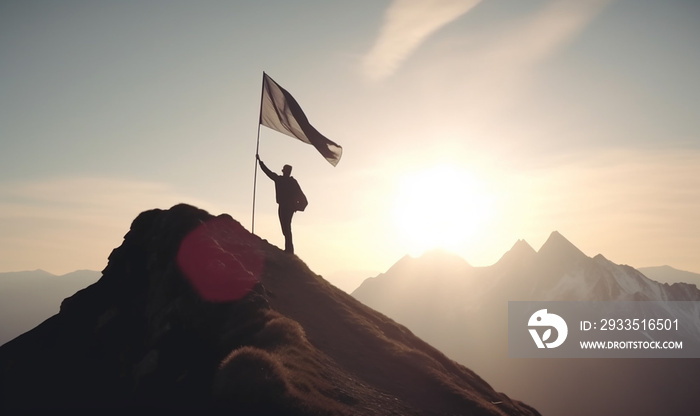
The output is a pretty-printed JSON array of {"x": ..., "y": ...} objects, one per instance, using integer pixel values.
[
  {"x": 467, "y": 320},
  {"x": 30, "y": 297},
  {"x": 193, "y": 312},
  {"x": 667, "y": 274}
]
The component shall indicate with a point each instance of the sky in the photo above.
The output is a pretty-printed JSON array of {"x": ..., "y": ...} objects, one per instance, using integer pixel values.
[{"x": 465, "y": 125}]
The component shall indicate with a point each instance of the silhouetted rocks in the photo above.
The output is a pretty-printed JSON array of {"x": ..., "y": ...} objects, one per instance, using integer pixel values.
[{"x": 194, "y": 313}]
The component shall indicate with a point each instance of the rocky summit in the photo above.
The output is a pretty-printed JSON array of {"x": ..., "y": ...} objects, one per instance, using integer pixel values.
[{"x": 193, "y": 312}]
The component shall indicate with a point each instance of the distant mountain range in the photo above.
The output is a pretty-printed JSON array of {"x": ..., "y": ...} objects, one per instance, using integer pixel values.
[
  {"x": 462, "y": 310},
  {"x": 667, "y": 274},
  {"x": 195, "y": 314},
  {"x": 28, "y": 298}
]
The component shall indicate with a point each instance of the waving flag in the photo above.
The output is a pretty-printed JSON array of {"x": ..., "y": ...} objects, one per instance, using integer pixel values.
[{"x": 280, "y": 111}]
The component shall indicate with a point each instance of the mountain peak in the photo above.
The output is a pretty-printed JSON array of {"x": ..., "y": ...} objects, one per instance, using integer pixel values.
[
  {"x": 521, "y": 251},
  {"x": 557, "y": 246},
  {"x": 522, "y": 245},
  {"x": 434, "y": 260},
  {"x": 194, "y": 312},
  {"x": 441, "y": 256}
]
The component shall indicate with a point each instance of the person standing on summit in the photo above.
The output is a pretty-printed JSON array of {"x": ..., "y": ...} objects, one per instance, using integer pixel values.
[{"x": 290, "y": 199}]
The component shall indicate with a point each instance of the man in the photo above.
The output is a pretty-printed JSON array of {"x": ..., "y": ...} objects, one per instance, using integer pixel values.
[{"x": 289, "y": 197}]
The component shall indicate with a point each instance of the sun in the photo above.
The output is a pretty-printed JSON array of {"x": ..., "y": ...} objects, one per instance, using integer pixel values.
[{"x": 443, "y": 206}]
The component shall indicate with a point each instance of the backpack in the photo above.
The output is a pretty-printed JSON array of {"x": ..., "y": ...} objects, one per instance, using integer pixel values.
[{"x": 300, "y": 202}]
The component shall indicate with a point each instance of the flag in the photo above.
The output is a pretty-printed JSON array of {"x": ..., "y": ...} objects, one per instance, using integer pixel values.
[{"x": 280, "y": 111}]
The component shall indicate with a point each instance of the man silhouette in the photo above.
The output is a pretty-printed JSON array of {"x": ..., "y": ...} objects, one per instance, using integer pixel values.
[{"x": 289, "y": 197}]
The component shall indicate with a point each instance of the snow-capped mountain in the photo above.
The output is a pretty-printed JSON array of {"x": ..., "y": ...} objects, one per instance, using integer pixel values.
[
  {"x": 560, "y": 271},
  {"x": 463, "y": 311}
]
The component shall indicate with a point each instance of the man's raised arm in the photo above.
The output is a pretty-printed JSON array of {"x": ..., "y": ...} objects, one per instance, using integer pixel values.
[{"x": 270, "y": 174}]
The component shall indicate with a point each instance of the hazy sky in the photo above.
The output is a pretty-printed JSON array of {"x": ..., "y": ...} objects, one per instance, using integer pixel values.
[{"x": 465, "y": 124}]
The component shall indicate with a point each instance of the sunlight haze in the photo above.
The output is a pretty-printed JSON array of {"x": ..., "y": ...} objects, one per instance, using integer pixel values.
[
  {"x": 442, "y": 207},
  {"x": 465, "y": 125}
]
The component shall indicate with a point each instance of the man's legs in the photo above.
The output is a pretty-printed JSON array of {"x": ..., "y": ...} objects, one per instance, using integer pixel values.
[{"x": 285, "y": 215}]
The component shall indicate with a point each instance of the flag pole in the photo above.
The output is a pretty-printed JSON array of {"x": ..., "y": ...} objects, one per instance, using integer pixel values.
[{"x": 257, "y": 148}]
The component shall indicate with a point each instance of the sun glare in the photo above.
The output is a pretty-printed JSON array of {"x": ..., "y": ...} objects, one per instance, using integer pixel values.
[{"x": 441, "y": 207}]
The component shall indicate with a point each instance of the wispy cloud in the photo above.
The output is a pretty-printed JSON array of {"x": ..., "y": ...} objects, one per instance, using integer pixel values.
[
  {"x": 407, "y": 24},
  {"x": 501, "y": 59},
  {"x": 534, "y": 38}
]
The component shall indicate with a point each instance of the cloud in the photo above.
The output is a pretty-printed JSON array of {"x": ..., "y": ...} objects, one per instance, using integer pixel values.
[
  {"x": 537, "y": 37},
  {"x": 500, "y": 66},
  {"x": 407, "y": 24}
]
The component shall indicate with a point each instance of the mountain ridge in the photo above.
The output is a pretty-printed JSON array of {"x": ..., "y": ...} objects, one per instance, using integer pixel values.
[
  {"x": 670, "y": 275},
  {"x": 469, "y": 322},
  {"x": 193, "y": 312}
]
